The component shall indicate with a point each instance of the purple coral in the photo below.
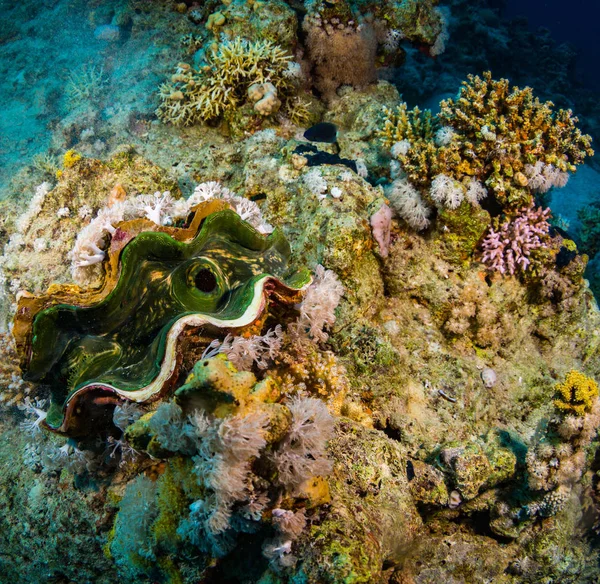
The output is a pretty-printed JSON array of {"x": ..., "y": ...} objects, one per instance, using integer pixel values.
[{"x": 509, "y": 249}]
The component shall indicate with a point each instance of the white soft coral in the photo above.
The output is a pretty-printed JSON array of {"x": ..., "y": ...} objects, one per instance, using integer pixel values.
[
  {"x": 317, "y": 310},
  {"x": 36, "y": 415}
]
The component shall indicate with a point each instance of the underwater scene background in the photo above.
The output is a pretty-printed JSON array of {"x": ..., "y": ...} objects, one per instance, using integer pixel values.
[{"x": 299, "y": 292}]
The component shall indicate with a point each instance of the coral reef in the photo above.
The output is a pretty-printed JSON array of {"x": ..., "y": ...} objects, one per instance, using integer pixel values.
[
  {"x": 362, "y": 352},
  {"x": 237, "y": 72}
]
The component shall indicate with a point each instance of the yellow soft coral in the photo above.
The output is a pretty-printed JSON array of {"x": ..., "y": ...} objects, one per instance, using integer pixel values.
[{"x": 576, "y": 394}]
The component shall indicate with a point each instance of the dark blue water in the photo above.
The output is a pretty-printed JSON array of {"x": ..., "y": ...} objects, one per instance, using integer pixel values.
[{"x": 575, "y": 22}]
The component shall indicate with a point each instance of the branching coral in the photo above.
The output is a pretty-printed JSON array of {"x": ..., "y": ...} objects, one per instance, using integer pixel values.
[
  {"x": 84, "y": 85},
  {"x": 504, "y": 131},
  {"x": 512, "y": 247},
  {"x": 491, "y": 138},
  {"x": 223, "y": 85}
]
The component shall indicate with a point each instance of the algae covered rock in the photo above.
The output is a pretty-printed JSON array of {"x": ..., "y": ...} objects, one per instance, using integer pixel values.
[
  {"x": 44, "y": 234},
  {"x": 474, "y": 467},
  {"x": 371, "y": 517}
]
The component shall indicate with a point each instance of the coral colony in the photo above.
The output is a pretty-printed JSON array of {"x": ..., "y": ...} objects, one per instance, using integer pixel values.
[{"x": 273, "y": 325}]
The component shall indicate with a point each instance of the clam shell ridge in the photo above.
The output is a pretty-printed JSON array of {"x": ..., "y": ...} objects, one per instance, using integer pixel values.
[{"x": 121, "y": 341}]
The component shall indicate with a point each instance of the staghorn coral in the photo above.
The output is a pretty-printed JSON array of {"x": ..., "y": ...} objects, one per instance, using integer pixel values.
[
  {"x": 415, "y": 141},
  {"x": 577, "y": 394},
  {"x": 85, "y": 84},
  {"x": 235, "y": 67},
  {"x": 403, "y": 124}
]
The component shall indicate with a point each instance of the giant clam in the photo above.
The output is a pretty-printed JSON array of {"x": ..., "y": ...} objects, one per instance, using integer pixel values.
[{"x": 123, "y": 340}]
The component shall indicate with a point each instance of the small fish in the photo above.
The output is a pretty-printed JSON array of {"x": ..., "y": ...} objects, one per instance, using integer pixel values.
[{"x": 322, "y": 132}]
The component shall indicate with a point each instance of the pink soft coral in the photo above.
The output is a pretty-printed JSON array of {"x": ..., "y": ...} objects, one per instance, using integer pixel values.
[{"x": 509, "y": 249}]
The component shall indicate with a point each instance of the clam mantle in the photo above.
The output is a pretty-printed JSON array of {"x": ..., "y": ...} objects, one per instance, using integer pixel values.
[{"x": 123, "y": 340}]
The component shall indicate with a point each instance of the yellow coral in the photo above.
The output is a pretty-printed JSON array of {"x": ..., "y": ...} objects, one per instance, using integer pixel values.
[
  {"x": 402, "y": 124},
  {"x": 576, "y": 394},
  {"x": 500, "y": 136},
  {"x": 71, "y": 158},
  {"x": 508, "y": 129},
  {"x": 422, "y": 159}
]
